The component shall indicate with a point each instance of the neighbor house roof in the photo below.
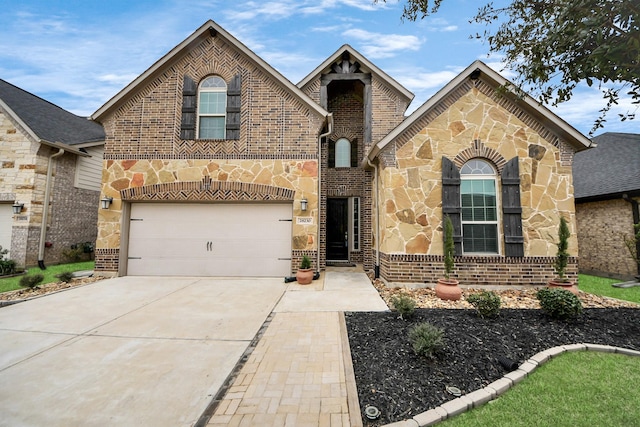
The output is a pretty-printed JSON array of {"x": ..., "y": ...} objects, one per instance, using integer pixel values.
[
  {"x": 609, "y": 170},
  {"x": 208, "y": 29},
  {"x": 479, "y": 70},
  {"x": 46, "y": 122},
  {"x": 365, "y": 65}
]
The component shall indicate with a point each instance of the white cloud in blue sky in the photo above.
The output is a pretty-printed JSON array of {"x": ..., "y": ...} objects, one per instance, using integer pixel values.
[{"x": 78, "y": 54}]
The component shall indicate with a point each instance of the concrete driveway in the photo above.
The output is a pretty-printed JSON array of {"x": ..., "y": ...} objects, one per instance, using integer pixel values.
[{"x": 130, "y": 351}]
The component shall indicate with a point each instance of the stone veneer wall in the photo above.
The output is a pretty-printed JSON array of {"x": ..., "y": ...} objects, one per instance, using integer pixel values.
[
  {"x": 602, "y": 226},
  {"x": 472, "y": 122}
]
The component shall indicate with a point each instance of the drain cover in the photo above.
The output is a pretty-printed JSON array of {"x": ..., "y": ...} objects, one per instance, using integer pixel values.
[
  {"x": 454, "y": 391},
  {"x": 372, "y": 412}
]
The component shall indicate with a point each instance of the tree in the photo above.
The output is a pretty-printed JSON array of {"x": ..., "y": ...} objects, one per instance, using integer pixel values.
[{"x": 553, "y": 45}]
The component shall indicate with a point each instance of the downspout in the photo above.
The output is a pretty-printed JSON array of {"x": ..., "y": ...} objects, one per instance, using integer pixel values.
[
  {"x": 45, "y": 208},
  {"x": 377, "y": 216},
  {"x": 323, "y": 135},
  {"x": 636, "y": 220}
]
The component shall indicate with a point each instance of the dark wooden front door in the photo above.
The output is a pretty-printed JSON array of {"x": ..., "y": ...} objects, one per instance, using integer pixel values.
[{"x": 337, "y": 229}]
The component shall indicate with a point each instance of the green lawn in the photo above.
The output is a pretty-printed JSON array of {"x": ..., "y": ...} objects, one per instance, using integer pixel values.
[
  {"x": 602, "y": 286},
  {"x": 574, "y": 389},
  {"x": 49, "y": 274}
]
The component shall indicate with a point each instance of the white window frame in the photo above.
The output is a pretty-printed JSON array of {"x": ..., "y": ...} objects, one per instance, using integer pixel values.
[
  {"x": 347, "y": 153},
  {"x": 355, "y": 224},
  {"x": 200, "y": 114},
  {"x": 480, "y": 176}
]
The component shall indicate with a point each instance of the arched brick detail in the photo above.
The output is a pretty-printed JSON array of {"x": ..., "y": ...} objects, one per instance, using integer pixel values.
[
  {"x": 478, "y": 149},
  {"x": 207, "y": 190},
  {"x": 344, "y": 132}
]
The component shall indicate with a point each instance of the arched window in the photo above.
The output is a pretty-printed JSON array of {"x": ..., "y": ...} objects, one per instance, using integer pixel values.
[
  {"x": 212, "y": 108},
  {"x": 343, "y": 153},
  {"x": 479, "y": 203}
]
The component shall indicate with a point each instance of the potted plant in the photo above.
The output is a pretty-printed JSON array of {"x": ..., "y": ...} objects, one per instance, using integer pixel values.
[
  {"x": 447, "y": 288},
  {"x": 562, "y": 260},
  {"x": 304, "y": 276}
]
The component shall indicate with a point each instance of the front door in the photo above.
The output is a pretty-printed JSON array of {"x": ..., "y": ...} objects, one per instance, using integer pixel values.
[{"x": 337, "y": 229}]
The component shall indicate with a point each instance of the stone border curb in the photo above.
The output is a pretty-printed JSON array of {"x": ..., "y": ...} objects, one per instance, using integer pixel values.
[{"x": 480, "y": 397}]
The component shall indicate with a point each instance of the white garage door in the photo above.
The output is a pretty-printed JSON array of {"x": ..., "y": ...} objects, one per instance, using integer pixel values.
[
  {"x": 6, "y": 222},
  {"x": 172, "y": 239}
]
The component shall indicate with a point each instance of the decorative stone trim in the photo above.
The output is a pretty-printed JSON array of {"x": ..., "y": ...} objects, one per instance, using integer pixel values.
[
  {"x": 495, "y": 389},
  {"x": 219, "y": 156},
  {"x": 207, "y": 190},
  {"x": 478, "y": 149}
]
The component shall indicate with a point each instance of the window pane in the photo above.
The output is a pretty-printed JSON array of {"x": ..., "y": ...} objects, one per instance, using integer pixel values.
[
  {"x": 343, "y": 153},
  {"x": 213, "y": 102},
  {"x": 211, "y": 128},
  {"x": 480, "y": 238},
  {"x": 213, "y": 82}
]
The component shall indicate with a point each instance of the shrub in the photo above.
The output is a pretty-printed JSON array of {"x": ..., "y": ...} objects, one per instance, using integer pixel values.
[
  {"x": 559, "y": 303},
  {"x": 404, "y": 304},
  {"x": 7, "y": 266},
  {"x": 65, "y": 276},
  {"x": 486, "y": 303},
  {"x": 305, "y": 263},
  {"x": 426, "y": 339},
  {"x": 31, "y": 281}
]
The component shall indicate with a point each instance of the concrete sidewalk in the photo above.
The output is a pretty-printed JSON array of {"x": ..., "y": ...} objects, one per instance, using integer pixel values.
[{"x": 300, "y": 372}]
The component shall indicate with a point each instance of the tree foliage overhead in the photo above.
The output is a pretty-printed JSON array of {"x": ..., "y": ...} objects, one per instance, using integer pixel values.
[{"x": 553, "y": 45}]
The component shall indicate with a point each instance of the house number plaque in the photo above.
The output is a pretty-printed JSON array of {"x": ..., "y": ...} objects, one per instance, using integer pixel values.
[{"x": 304, "y": 220}]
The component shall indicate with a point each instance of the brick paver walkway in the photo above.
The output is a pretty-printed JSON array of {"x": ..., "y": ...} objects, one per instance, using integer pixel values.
[{"x": 294, "y": 377}]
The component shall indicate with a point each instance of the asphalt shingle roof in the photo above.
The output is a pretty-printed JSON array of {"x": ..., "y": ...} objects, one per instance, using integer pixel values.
[
  {"x": 613, "y": 167},
  {"x": 48, "y": 121}
]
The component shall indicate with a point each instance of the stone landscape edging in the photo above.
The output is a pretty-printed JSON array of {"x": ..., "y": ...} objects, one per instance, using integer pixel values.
[{"x": 480, "y": 397}]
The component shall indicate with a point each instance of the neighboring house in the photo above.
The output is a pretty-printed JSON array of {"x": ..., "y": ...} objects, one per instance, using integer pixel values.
[
  {"x": 607, "y": 192},
  {"x": 218, "y": 165},
  {"x": 46, "y": 150}
]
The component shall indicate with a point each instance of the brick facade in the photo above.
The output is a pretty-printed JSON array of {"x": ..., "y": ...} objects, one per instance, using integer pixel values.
[{"x": 602, "y": 226}]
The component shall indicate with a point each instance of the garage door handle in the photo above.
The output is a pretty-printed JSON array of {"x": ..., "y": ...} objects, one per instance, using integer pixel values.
[{"x": 209, "y": 246}]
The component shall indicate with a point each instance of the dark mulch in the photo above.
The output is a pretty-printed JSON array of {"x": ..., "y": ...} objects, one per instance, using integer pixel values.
[{"x": 390, "y": 376}]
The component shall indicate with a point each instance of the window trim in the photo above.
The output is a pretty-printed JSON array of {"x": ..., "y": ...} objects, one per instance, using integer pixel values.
[
  {"x": 498, "y": 207},
  {"x": 223, "y": 115}
]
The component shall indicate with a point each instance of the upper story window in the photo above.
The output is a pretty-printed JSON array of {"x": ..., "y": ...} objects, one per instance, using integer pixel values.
[
  {"x": 212, "y": 108},
  {"x": 343, "y": 153},
  {"x": 479, "y": 207}
]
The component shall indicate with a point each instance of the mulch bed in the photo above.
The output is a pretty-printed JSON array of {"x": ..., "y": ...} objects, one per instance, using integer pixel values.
[
  {"x": 401, "y": 384},
  {"x": 49, "y": 288}
]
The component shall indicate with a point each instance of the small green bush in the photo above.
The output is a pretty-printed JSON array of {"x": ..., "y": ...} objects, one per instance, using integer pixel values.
[
  {"x": 404, "y": 304},
  {"x": 305, "y": 263},
  {"x": 486, "y": 303},
  {"x": 31, "y": 281},
  {"x": 559, "y": 303},
  {"x": 426, "y": 339},
  {"x": 7, "y": 266},
  {"x": 65, "y": 276}
]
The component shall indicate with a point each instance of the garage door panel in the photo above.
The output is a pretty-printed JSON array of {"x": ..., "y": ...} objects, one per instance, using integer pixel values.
[{"x": 210, "y": 239}]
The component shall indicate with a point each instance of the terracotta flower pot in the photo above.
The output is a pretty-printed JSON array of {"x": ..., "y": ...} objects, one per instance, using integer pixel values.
[
  {"x": 448, "y": 289},
  {"x": 304, "y": 276},
  {"x": 569, "y": 286}
]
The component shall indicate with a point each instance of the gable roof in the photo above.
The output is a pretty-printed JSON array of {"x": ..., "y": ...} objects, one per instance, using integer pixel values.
[
  {"x": 609, "y": 170},
  {"x": 208, "y": 29},
  {"x": 479, "y": 70},
  {"x": 365, "y": 64},
  {"x": 46, "y": 122}
]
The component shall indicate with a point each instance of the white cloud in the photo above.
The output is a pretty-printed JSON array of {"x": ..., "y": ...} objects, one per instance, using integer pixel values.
[{"x": 377, "y": 45}]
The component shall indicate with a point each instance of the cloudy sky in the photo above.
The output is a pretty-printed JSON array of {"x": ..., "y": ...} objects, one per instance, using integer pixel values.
[{"x": 79, "y": 53}]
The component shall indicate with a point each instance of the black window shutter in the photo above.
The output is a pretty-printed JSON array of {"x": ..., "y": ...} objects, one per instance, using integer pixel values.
[
  {"x": 188, "y": 121},
  {"x": 512, "y": 210},
  {"x": 354, "y": 153},
  {"x": 234, "y": 90},
  {"x": 451, "y": 200},
  {"x": 331, "y": 155}
]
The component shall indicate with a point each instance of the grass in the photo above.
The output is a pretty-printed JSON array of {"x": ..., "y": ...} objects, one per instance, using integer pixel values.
[
  {"x": 12, "y": 283},
  {"x": 602, "y": 286},
  {"x": 575, "y": 389}
]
